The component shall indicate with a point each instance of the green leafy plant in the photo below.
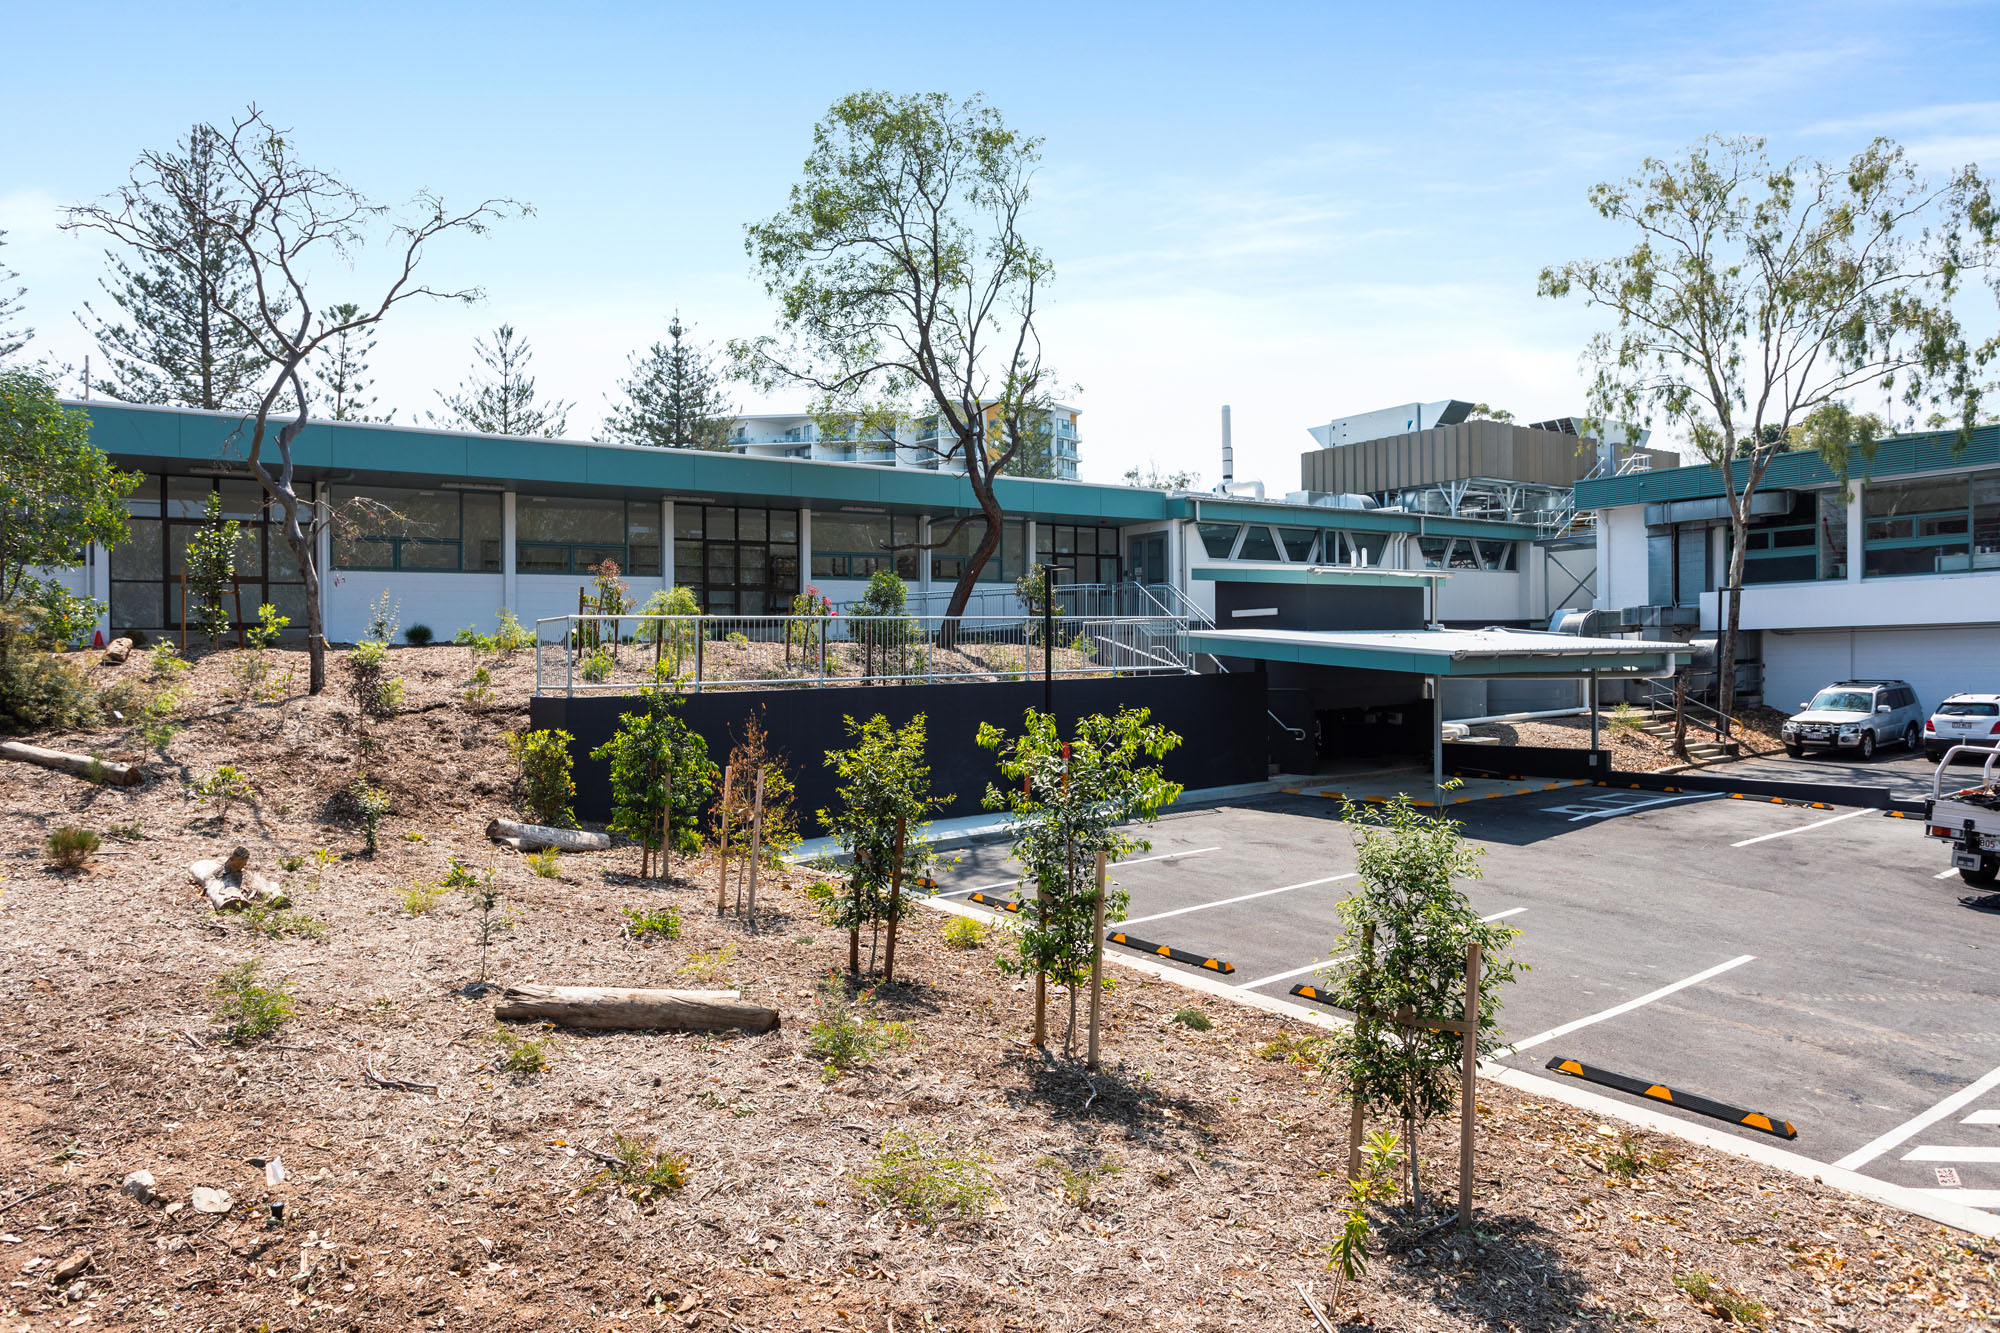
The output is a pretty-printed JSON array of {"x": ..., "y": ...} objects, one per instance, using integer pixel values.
[
  {"x": 659, "y": 768},
  {"x": 845, "y": 1034},
  {"x": 546, "y": 864},
  {"x": 129, "y": 830},
  {"x": 1076, "y": 1184},
  {"x": 268, "y": 627},
  {"x": 39, "y": 691},
  {"x": 376, "y": 692},
  {"x": 779, "y": 833},
  {"x": 164, "y": 662},
  {"x": 71, "y": 847},
  {"x": 384, "y": 615},
  {"x": 223, "y": 787},
  {"x": 413, "y": 835},
  {"x": 248, "y": 1009},
  {"x": 546, "y": 787},
  {"x": 646, "y": 924},
  {"x": 480, "y": 692},
  {"x": 1347, "y": 1256},
  {"x": 61, "y": 618},
  {"x": 597, "y": 667},
  {"x": 920, "y": 1177},
  {"x": 885, "y": 805},
  {"x": 1628, "y": 1159},
  {"x": 156, "y": 722},
  {"x": 369, "y": 803},
  {"x": 962, "y": 932},
  {"x": 490, "y": 921},
  {"x": 1294, "y": 1048},
  {"x": 211, "y": 571},
  {"x": 710, "y": 965},
  {"x": 1736, "y": 1309},
  {"x": 418, "y": 636},
  {"x": 1067, "y": 801},
  {"x": 521, "y": 1055},
  {"x": 1624, "y": 720},
  {"x": 642, "y": 1169},
  {"x": 420, "y": 897},
  {"x": 879, "y": 619},
  {"x": 674, "y": 639},
  {"x": 1193, "y": 1019},
  {"x": 276, "y": 922},
  {"x": 291, "y": 861},
  {"x": 1405, "y": 932}
]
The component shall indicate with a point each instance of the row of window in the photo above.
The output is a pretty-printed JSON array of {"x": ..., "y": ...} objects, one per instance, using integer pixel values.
[
  {"x": 1333, "y": 546},
  {"x": 1941, "y": 525}
]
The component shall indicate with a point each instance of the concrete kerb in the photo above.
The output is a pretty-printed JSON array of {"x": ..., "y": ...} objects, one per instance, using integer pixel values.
[{"x": 1914, "y": 1202}]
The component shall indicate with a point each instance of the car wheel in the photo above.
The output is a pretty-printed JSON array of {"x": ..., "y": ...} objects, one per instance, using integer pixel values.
[
  {"x": 1796, "y": 751},
  {"x": 1911, "y": 738},
  {"x": 1867, "y": 745},
  {"x": 1984, "y": 877}
]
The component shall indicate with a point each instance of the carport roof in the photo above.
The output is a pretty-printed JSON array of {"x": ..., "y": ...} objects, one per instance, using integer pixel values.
[{"x": 1446, "y": 652}]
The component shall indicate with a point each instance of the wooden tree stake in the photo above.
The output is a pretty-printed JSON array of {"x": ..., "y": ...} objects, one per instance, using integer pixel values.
[
  {"x": 722, "y": 843},
  {"x": 1468, "y": 1102},
  {"x": 895, "y": 902},
  {"x": 667, "y": 828},
  {"x": 1356, "y": 1113},
  {"x": 236, "y": 580},
  {"x": 1096, "y": 961},
  {"x": 756, "y": 845}
]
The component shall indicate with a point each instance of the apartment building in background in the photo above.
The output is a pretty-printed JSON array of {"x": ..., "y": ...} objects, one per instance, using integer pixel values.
[{"x": 797, "y": 435}]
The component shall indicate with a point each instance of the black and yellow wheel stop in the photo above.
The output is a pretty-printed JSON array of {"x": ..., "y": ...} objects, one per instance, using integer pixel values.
[{"x": 1687, "y": 1101}]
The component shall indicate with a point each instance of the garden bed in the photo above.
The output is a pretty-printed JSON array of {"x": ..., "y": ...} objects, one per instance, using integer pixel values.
[{"x": 1190, "y": 1184}]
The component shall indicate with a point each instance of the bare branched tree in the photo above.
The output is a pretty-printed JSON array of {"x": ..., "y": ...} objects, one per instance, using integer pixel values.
[
  {"x": 908, "y": 295},
  {"x": 289, "y": 220}
]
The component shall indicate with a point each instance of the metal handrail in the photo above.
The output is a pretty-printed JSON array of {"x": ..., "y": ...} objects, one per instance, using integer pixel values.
[
  {"x": 1985, "y": 771},
  {"x": 1654, "y": 692}
]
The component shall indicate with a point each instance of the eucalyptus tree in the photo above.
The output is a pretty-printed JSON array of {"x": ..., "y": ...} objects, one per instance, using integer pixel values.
[
  {"x": 908, "y": 294},
  {"x": 1761, "y": 301},
  {"x": 285, "y": 221}
]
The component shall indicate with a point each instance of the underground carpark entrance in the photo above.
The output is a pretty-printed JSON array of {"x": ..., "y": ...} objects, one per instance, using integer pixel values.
[{"x": 1350, "y": 654}]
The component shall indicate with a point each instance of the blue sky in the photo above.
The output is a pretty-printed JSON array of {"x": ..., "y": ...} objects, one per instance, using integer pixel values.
[{"x": 1300, "y": 210}]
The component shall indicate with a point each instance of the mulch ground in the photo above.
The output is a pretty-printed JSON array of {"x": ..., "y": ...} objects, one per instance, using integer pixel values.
[
  {"x": 1632, "y": 750},
  {"x": 1189, "y": 1184}
]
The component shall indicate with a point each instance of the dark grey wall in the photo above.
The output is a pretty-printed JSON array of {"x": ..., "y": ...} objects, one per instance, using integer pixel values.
[
  {"x": 1327, "y": 606},
  {"x": 1219, "y": 718}
]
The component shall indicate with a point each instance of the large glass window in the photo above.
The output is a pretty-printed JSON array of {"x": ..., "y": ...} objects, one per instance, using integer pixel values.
[
  {"x": 1919, "y": 527},
  {"x": 556, "y": 534},
  {"x": 948, "y": 561},
  {"x": 386, "y": 527},
  {"x": 1258, "y": 544},
  {"x": 1218, "y": 539},
  {"x": 1298, "y": 543},
  {"x": 1090, "y": 555},
  {"x": 855, "y": 546},
  {"x": 165, "y": 512},
  {"x": 738, "y": 561},
  {"x": 1783, "y": 550},
  {"x": 1830, "y": 534},
  {"x": 1986, "y": 522}
]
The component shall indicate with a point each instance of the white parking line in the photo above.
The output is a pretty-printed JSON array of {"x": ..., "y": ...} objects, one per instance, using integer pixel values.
[
  {"x": 1630, "y": 1005},
  {"x": 1946, "y": 874},
  {"x": 1289, "y": 973},
  {"x": 981, "y": 888},
  {"x": 1164, "y": 856},
  {"x": 1869, "y": 1151},
  {"x": 1803, "y": 828},
  {"x": 1930, "y": 1152},
  {"x": 1242, "y": 898},
  {"x": 1982, "y": 1118}
]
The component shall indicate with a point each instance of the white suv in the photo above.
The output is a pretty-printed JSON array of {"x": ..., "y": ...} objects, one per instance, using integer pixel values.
[
  {"x": 1857, "y": 715},
  {"x": 1963, "y": 719}
]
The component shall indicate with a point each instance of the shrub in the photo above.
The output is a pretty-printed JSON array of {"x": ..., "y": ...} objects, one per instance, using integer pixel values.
[
  {"x": 164, "y": 662},
  {"x": 510, "y": 638},
  {"x": 420, "y": 897},
  {"x": 277, "y": 923},
  {"x": 643, "y": 1169},
  {"x": 490, "y": 922},
  {"x": 844, "y": 1032},
  {"x": 1193, "y": 1019},
  {"x": 546, "y": 788},
  {"x": 750, "y": 755},
  {"x": 1627, "y": 1159},
  {"x": 211, "y": 569},
  {"x": 1736, "y": 1309},
  {"x": 383, "y": 617},
  {"x": 598, "y": 666},
  {"x": 1292, "y": 1048},
  {"x": 1076, "y": 1184},
  {"x": 248, "y": 1009},
  {"x": 377, "y": 694},
  {"x": 519, "y": 1055},
  {"x": 962, "y": 932},
  {"x": 156, "y": 722},
  {"x": 38, "y": 691},
  {"x": 917, "y": 1176},
  {"x": 480, "y": 692},
  {"x": 268, "y": 627},
  {"x": 547, "y": 863},
  {"x": 60, "y": 618},
  {"x": 646, "y": 923},
  {"x": 418, "y": 636},
  {"x": 710, "y": 965},
  {"x": 226, "y": 785},
  {"x": 370, "y": 803},
  {"x": 655, "y": 758},
  {"x": 885, "y": 783},
  {"x": 71, "y": 847}
]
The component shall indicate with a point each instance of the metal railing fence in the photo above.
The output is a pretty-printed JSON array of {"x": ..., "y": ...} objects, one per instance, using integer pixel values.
[{"x": 591, "y": 653}]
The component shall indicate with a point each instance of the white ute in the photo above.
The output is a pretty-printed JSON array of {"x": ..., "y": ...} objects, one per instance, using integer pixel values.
[{"x": 1969, "y": 818}]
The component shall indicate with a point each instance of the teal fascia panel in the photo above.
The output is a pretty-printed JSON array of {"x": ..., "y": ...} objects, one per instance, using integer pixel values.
[
  {"x": 1354, "y": 520},
  {"x": 1334, "y": 577},
  {"x": 1897, "y": 456},
  {"x": 1427, "y": 664}
]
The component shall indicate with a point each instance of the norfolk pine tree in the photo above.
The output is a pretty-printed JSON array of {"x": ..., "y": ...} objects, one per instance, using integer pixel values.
[
  {"x": 342, "y": 371},
  {"x": 673, "y": 399},
  {"x": 1762, "y": 299},
  {"x": 182, "y": 334},
  {"x": 12, "y": 339},
  {"x": 284, "y": 219},
  {"x": 502, "y": 399}
]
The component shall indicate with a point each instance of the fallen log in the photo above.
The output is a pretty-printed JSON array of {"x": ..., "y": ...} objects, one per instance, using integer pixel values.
[
  {"x": 532, "y": 837},
  {"x": 621, "y": 1007},
  {"x": 229, "y": 883},
  {"x": 78, "y": 765}
]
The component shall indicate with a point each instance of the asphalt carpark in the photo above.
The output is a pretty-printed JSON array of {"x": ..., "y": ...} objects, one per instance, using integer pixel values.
[{"x": 1830, "y": 970}]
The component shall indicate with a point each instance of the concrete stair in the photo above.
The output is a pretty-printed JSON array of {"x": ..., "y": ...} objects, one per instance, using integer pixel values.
[{"x": 1699, "y": 751}]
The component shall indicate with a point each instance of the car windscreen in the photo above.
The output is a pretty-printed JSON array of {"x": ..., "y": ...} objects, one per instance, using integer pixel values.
[
  {"x": 1842, "y": 701},
  {"x": 1967, "y": 708}
]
